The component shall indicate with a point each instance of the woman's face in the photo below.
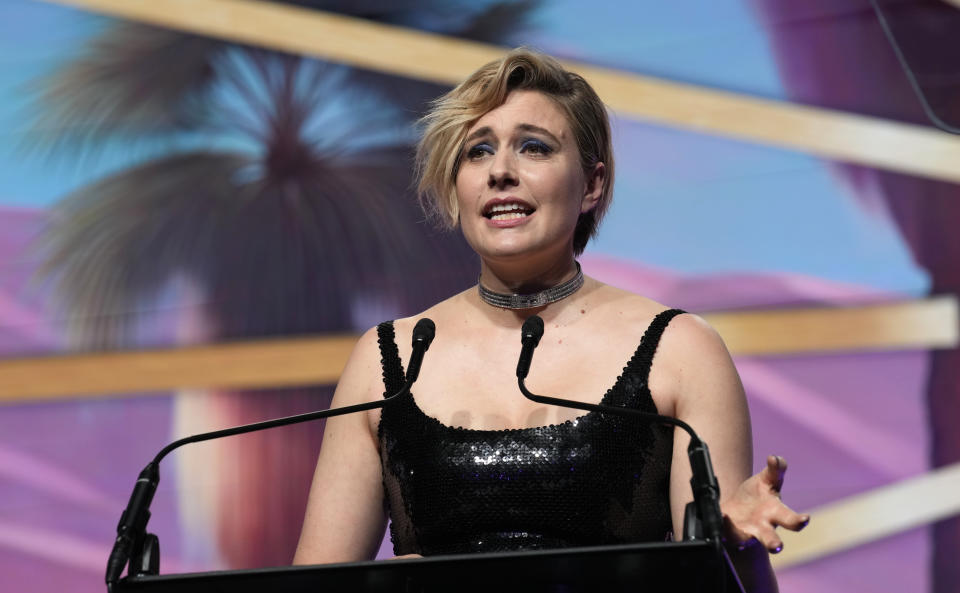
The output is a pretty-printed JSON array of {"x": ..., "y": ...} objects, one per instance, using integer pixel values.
[{"x": 521, "y": 187}]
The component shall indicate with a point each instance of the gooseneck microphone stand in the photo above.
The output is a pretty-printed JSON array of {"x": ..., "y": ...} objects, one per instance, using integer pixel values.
[
  {"x": 141, "y": 549},
  {"x": 706, "y": 490}
]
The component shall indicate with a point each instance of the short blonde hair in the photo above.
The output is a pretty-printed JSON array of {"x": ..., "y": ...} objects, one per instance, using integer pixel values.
[{"x": 446, "y": 125}]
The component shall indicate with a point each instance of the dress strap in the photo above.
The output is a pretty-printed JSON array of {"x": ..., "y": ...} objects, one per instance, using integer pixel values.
[
  {"x": 639, "y": 365},
  {"x": 393, "y": 374}
]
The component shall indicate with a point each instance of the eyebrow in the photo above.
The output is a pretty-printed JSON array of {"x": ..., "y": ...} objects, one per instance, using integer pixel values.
[{"x": 480, "y": 132}]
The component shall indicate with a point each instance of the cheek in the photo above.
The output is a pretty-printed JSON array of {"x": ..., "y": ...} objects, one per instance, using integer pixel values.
[
  {"x": 467, "y": 189},
  {"x": 559, "y": 185},
  {"x": 466, "y": 201}
]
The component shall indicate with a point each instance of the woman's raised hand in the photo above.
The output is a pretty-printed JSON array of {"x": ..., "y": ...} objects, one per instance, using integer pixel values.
[{"x": 754, "y": 512}]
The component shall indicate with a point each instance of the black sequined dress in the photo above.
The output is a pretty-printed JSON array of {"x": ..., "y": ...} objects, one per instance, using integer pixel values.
[{"x": 596, "y": 479}]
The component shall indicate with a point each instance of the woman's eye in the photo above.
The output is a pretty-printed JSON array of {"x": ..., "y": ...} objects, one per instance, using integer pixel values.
[
  {"x": 535, "y": 147},
  {"x": 479, "y": 151}
]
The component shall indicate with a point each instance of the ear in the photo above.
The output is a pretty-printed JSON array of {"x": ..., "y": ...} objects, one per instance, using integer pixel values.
[{"x": 593, "y": 187}]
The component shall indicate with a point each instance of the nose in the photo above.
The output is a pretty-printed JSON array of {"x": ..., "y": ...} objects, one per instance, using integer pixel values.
[{"x": 503, "y": 170}]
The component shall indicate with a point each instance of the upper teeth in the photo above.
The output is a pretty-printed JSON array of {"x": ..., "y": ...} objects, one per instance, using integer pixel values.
[{"x": 507, "y": 208}]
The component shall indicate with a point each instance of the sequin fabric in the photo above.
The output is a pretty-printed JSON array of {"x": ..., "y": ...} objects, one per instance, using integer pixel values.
[{"x": 597, "y": 479}]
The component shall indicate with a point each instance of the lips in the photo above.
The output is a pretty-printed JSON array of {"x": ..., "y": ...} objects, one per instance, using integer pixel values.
[{"x": 507, "y": 209}]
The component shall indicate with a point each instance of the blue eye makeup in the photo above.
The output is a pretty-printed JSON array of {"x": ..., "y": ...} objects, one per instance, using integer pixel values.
[
  {"x": 531, "y": 146},
  {"x": 535, "y": 146},
  {"x": 479, "y": 150}
]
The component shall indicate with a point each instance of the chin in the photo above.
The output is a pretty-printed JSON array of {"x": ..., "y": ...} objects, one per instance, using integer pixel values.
[{"x": 507, "y": 252}]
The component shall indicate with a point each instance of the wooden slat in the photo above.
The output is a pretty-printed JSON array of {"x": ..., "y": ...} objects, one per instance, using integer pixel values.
[
  {"x": 929, "y": 323},
  {"x": 873, "y": 515},
  {"x": 308, "y": 361},
  {"x": 836, "y": 135},
  {"x": 273, "y": 363}
]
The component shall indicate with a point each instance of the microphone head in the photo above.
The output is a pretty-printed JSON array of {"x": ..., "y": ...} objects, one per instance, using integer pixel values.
[
  {"x": 423, "y": 332},
  {"x": 532, "y": 330}
]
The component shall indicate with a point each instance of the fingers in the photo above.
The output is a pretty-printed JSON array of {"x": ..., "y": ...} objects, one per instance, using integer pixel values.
[
  {"x": 760, "y": 527},
  {"x": 756, "y": 510},
  {"x": 786, "y": 518},
  {"x": 763, "y": 533},
  {"x": 775, "y": 471},
  {"x": 768, "y": 537},
  {"x": 791, "y": 520},
  {"x": 782, "y": 517},
  {"x": 736, "y": 536},
  {"x": 747, "y": 536}
]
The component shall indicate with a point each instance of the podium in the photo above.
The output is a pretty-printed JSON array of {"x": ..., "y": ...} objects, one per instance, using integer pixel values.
[{"x": 686, "y": 567}]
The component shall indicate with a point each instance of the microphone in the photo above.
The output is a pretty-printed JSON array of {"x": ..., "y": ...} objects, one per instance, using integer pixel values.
[
  {"x": 133, "y": 542},
  {"x": 530, "y": 335},
  {"x": 423, "y": 334},
  {"x": 703, "y": 482}
]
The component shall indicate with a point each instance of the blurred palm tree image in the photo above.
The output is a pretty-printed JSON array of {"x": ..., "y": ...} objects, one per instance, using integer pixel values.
[{"x": 267, "y": 195}]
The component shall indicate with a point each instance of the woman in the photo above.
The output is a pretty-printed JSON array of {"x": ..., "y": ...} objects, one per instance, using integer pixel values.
[{"x": 519, "y": 156}]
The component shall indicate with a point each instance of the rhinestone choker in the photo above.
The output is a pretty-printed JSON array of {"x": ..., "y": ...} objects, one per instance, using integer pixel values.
[{"x": 535, "y": 299}]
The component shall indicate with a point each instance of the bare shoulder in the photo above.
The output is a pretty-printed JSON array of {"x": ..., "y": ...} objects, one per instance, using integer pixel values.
[
  {"x": 698, "y": 366},
  {"x": 359, "y": 381},
  {"x": 624, "y": 312},
  {"x": 690, "y": 337},
  {"x": 689, "y": 355}
]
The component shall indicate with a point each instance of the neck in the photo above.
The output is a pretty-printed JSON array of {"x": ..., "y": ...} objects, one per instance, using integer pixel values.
[{"x": 511, "y": 278}]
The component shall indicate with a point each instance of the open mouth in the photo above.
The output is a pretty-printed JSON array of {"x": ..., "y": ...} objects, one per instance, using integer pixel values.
[{"x": 508, "y": 211}]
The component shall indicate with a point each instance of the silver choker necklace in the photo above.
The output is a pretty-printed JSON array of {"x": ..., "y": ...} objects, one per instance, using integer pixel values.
[{"x": 536, "y": 299}]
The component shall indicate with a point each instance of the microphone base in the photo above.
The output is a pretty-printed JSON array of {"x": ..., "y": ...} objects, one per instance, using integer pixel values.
[
  {"x": 145, "y": 559},
  {"x": 692, "y": 525}
]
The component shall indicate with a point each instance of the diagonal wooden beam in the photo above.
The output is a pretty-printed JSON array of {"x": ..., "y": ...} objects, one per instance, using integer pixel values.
[
  {"x": 873, "y": 515},
  {"x": 930, "y": 323},
  {"x": 243, "y": 365},
  {"x": 869, "y": 141}
]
